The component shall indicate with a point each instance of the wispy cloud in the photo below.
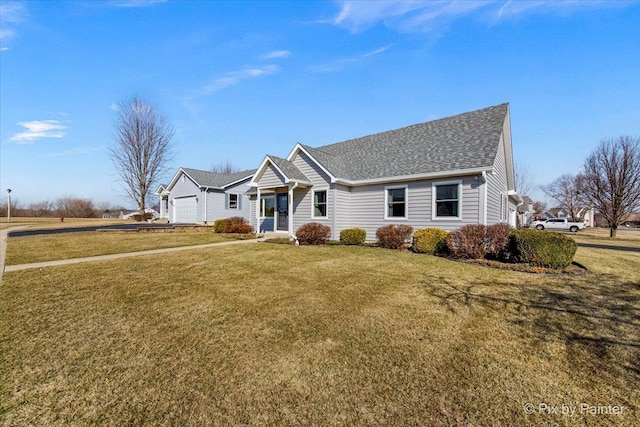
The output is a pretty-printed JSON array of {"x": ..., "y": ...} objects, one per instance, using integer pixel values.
[
  {"x": 344, "y": 63},
  {"x": 37, "y": 129},
  {"x": 232, "y": 78},
  {"x": 276, "y": 54},
  {"x": 11, "y": 14},
  {"x": 135, "y": 3},
  {"x": 433, "y": 16}
]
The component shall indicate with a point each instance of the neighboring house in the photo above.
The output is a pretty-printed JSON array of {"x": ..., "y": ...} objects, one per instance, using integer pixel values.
[
  {"x": 196, "y": 196},
  {"x": 525, "y": 212},
  {"x": 633, "y": 220},
  {"x": 444, "y": 173}
]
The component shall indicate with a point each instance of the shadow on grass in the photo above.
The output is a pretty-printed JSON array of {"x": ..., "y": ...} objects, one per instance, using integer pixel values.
[{"x": 597, "y": 319}]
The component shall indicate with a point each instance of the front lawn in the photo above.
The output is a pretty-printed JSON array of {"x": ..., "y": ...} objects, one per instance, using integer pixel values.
[
  {"x": 283, "y": 335},
  {"x": 29, "y": 249}
]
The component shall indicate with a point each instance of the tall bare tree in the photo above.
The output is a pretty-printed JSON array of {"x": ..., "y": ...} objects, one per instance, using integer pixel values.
[
  {"x": 568, "y": 191},
  {"x": 524, "y": 182},
  {"x": 225, "y": 168},
  {"x": 612, "y": 179},
  {"x": 142, "y": 149}
]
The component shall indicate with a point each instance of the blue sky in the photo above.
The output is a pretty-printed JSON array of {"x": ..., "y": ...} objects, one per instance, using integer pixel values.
[{"x": 239, "y": 80}]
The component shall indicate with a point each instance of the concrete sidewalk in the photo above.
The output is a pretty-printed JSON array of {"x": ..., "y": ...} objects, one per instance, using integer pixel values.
[{"x": 3, "y": 242}]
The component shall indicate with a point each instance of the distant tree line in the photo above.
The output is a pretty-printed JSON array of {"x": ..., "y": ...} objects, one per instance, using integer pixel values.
[{"x": 67, "y": 206}]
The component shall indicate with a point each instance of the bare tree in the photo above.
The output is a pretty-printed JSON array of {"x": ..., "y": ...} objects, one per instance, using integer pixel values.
[
  {"x": 568, "y": 192},
  {"x": 524, "y": 183},
  {"x": 73, "y": 207},
  {"x": 225, "y": 168},
  {"x": 539, "y": 208},
  {"x": 41, "y": 209},
  {"x": 612, "y": 179},
  {"x": 142, "y": 149}
]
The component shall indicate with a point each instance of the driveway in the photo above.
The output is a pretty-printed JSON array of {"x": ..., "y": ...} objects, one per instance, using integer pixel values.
[{"x": 131, "y": 226}]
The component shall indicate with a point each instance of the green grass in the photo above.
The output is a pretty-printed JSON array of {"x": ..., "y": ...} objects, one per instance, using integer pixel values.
[
  {"x": 29, "y": 249},
  {"x": 282, "y": 335}
]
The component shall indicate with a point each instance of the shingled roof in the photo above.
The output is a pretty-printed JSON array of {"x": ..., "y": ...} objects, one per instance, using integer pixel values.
[
  {"x": 216, "y": 180},
  {"x": 289, "y": 169},
  {"x": 465, "y": 141}
]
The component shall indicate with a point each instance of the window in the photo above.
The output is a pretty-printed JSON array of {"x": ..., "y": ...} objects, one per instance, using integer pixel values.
[
  {"x": 396, "y": 201},
  {"x": 447, "y": 200},
  {"x": 233, "y": 201},
  {"x": 320, "y": 204},
  {"x": 268, "y": 207}
]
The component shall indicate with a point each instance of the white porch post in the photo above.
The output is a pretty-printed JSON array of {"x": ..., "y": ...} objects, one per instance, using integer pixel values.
[
  {"x": 290, "y": 207},
  {"x": 258, "y": 209}
]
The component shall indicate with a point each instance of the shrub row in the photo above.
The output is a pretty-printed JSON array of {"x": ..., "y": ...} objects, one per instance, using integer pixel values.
[{"x": 496, "y": 242}]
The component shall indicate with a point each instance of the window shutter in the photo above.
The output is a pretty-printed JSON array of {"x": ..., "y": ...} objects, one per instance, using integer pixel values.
[
  {"x": 240, "y": 201},
  {"x": 226, "y": 200}
]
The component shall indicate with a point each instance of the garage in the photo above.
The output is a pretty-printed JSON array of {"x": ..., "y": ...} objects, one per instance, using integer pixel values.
[{"x": 185, "y": 209}]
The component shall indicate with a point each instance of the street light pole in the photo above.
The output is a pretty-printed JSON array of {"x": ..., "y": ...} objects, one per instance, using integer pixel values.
[{"x": 9, "y": 205}]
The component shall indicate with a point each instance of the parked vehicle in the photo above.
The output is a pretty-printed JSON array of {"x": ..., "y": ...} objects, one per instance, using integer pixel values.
[{"x": 558, "y": 224}]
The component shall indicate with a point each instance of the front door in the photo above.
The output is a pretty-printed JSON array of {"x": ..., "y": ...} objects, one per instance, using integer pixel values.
[{"x": 283, "y": 212}]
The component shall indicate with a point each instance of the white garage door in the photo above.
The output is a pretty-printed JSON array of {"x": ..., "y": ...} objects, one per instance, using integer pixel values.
[{"x": 185, "y": 210}]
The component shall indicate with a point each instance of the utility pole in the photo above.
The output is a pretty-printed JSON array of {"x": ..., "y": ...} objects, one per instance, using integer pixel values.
[{"x": 9, "y": 205}]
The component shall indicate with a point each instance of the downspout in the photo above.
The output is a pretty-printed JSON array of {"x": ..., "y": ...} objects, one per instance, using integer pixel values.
[
  {"x": 484, "y": 196},
  {"x": 205, "y": 205},
  {"x": 291, "y": 211}
]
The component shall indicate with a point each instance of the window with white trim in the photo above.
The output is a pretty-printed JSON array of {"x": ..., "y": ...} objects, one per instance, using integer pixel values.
[
  {"x": 233, "y": 201},
  {"x": 396, "y": 202},
  {"x": 319, "y": 204},
  {"x": 268, "y": 206},
  {"x": 447, "y": 200}
]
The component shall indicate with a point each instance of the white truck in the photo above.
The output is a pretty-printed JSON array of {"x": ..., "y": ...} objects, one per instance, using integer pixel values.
[{"x": 558, "y": 224}]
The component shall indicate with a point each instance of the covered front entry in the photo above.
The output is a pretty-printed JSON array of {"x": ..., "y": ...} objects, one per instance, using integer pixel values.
[{"x": 282, "y": 209}]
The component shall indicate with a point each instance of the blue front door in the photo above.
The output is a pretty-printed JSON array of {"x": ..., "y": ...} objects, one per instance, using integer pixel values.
[{"x": 283, "y": 212}]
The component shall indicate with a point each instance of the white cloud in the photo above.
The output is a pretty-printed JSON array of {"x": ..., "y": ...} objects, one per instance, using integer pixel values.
[
  {"x": 433, "y": 16},
  {"x": 276, "y": 54},
  {"x": 37, "y": 129},
  {"x": 234, "y": 77},
  {"x": 11, "y": 14},
  {"x": 341, "y": 64}
]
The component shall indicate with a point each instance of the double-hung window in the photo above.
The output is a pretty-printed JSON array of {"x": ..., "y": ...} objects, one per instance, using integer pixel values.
[
  {"x": 447, "y": 198},
  {"x": 396, "y": 202},
  {"x": 232, "y": 201},
  {"x": 319, "y": 204}
]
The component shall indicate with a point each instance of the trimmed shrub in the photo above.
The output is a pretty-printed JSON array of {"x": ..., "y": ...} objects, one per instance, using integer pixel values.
[
  {"x": 476, "y": 241},
  {"x": 497, "y": 242},
  {"x": 542, "y": 249},
  {"x": 353, "y": 236},
  {"x": 428, "y": 240},
  {"x": 467, "y": 242},
  {"x": 313, "y": 233},
  {"x": 393, "y": 236},
  {"x": 218, "y": 225},
  {"x": 237, "y": 224},
  {"x": 145, "y": 217}
]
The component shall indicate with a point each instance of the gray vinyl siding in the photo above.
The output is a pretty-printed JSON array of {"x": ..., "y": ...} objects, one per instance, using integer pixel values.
[
  {"x": 271, "y": 178},
  {"x": 217, "y": 202},
  {"x": 497, "y": 185},
  {"x": 368, "y": 206},
  {"x": 303, "y": 197},
  {"x": 342, "y": 208},
  {"x": 184, "y": 189}
]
